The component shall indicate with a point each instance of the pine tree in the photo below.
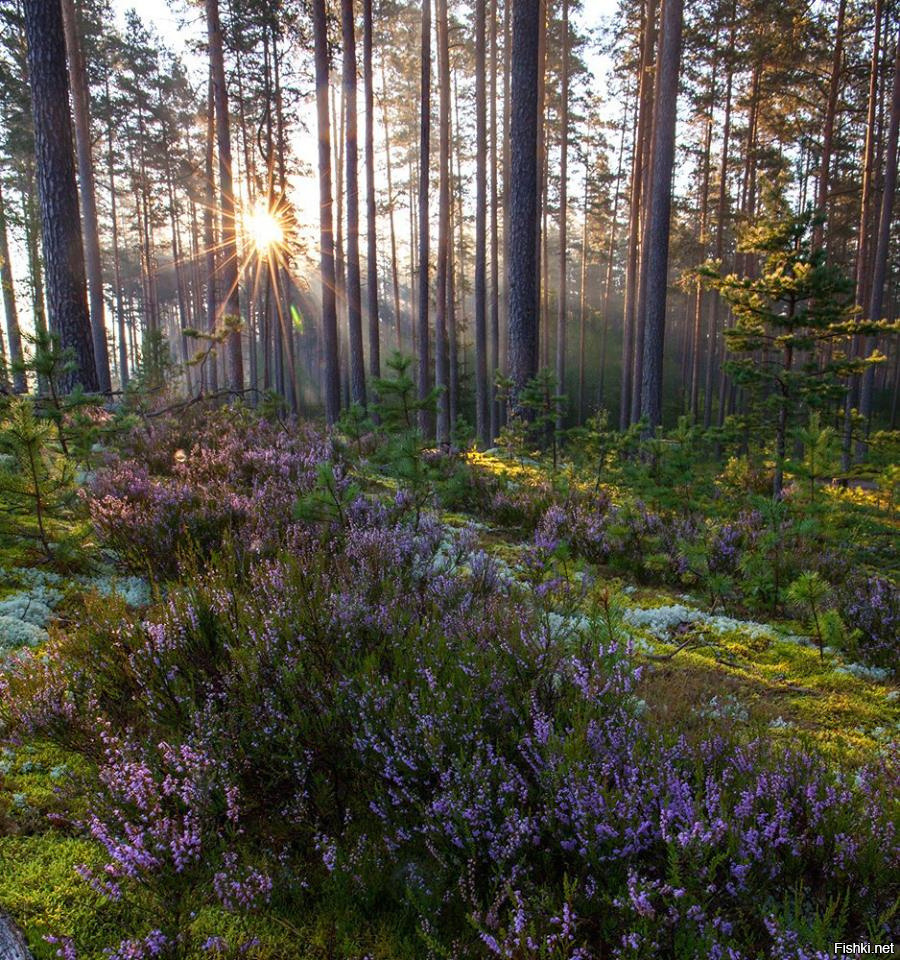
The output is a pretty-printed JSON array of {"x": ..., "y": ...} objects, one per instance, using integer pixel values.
[
  {"x": 332, "y": 377},
  {"x": 788, "y": 320},
  {"x": 78, "y": 81},
  {"x": 523, "y": 196},
  {"x": 229, "y": 266},
  {"x": 354, "y": 287},
  {"x": 57, "y": 189}
]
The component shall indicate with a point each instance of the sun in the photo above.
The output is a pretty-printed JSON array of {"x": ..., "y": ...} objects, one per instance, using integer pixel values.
[{"x": 264, "y": 229}]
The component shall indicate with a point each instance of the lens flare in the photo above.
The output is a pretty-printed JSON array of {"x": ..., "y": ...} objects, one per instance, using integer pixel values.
[{"x": 264, "y": 229}]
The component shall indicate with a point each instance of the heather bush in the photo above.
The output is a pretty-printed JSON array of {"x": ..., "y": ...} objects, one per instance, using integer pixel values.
[
  {"x": 239, "y": 477},
  {"x": 509, "y": 504},
  {"x": 373, "y": 713},
  {"x": 870, "y": 606},
  {"x": 747, "y": 559}
]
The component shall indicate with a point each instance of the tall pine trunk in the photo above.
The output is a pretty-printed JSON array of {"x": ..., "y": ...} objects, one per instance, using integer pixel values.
[
  {"x": 424, "y": 380},
  {"x": 562, "y": 295},
  {"x": 523, "y": 195},
  {"x": 19, "y": 382},
  {"x": 114, "y": 223},
  {"x": 354, "y": 285},
  {"x": 441, "y": 365},
  {"x": 882, "y": 240},
  {"x": 58, "y": 191},
  {"x": 582, "y": 289},
  {"x": 859, "y": 345},
  {"x": 721, "y": 204},
  {"x": 395, "y": 269},
  {"x": 494, "y": 427},
  {"x": 702, "y": 239},
  {"x": 210, "y": 371},
  {"x": 632, "y": 263},
  {"x": 640, "y": 293},
  {"x": 834, "y": 87},
  {"x": 371, "y": 219},
  {"x": 610, "y": 256},
  {"x": 507, "y": 172},
  {"x": 90, "y": 226},
  {"x": 332, "y": 373},
  {"x": 540, "y": 248},
  {"x": 656, "y": 263},
  {"x": 229, "y": 263},
  {"x": 482, "y": 395}
]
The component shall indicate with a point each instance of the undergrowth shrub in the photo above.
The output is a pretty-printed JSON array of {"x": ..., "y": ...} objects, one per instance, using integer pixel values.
[
  {"x": 239, "y": 477},
  {"x": 374, "y": 715},
  {"x": 871, "y": 607}
]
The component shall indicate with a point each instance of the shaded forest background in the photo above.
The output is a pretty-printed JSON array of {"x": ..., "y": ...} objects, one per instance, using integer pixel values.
[{"x": 185, "y": 160}]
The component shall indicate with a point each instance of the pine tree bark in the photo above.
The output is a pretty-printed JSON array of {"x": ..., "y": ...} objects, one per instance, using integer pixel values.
[
  {"x": 582, "y": 289},
  {"x": 180, "y": 285},
  {"x": 251, "y": 270},
  {"x": 210, "y": 370},
  {"x": 338, "y": 127},
  {"x": 721, "y": 203},
  {"x": 703, "y": 229},
  {"x": 395, "y": 268},
  {"x": 58, "y": 192},
  {"x": 859, "y": 345},
  {"x": 503, "y": 356},
  {"x": 637, "y": 377},
  {"x": 412, "y": 299},
  {"x": 540, "y": 251},
  {"x": 562, "y": 294},
  {"x": 659, "y": 210},
  {"x": 117, "y": 270},
  {"x": 229, "y": 264},
  {"x": 143, "y": 209},
  {"x": 610, "y": 257},
  {"x": 834, "y": 87},
  {"x": 354, "y": 285},
  {"x": 31, "y": 220},
  {"x": 482, "y": 396},
  {"x": 632, "y": 263},
  {"x": 494, "y": 364},
  {"x": 441, "y": 366},
  {"x": 424, "y": 377},
  {"x": 456, "y": 263},
  {"x": 883, "y": 241},
  {"x": 90, "y": 226},
  {"x": 13, "y": 333},
  {"x": 332, "y": 374},
  {"x": 371, "y": 219},
  {"x": 522, "y": 284}
]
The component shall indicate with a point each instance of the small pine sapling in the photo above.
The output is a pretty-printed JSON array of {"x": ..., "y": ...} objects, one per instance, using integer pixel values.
[
  {"x": 404, "y": 451},
  {"x": 36, "y": 481},
  {"x": 807, "y": 593},
  {"x": 818, "y": 457}
]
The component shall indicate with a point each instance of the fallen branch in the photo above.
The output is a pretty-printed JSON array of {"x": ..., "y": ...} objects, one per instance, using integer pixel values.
[
  {"x": 199, "y": 398},
  {"x": 662, "y": 657}
]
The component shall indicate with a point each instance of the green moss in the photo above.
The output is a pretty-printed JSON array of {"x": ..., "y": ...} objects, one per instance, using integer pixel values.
[
  {"x": 836, "y": 714},
  {"x": 318, "y": 934},
  {"x": 44, "y": 895},
  {"x": 37, "y": 779}
]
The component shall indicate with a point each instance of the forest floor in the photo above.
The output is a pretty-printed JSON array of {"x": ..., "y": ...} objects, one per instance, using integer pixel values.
[{"x": 702, "y": 670}]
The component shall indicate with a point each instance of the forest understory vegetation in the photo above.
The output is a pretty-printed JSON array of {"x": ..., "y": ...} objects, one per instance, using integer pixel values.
[
  {"x": 449, "y": 479},
  {"x": 276, "y": 691}
]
